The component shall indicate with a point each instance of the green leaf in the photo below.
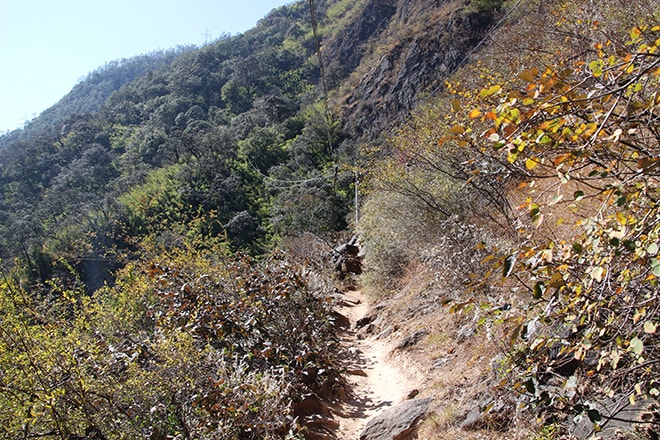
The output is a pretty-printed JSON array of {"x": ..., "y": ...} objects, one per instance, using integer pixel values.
[
  {"x": 594, "y": 415},
  {"x": 596, "y": 67},
  {"x": 652, "y": 249},
  {"x": 543, "y": 139},
  {"x": 533, "y": 210},
  {"x": 578, "y": 195},
  {"x": 629, "y": 245},
  {"x": 530, "y": 386},
  {"x": 507, "y": 266},
  {"x": 655, "y": 266},
  {"x": 538, "y": 290},
  {"x": 556, "y": 199},
  {"x": 650, "y": 327},
  {"x": 636, "y": 345}
]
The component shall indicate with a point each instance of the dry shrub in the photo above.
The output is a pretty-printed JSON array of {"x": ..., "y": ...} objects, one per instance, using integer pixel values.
[{"x": 187, "y": 345}]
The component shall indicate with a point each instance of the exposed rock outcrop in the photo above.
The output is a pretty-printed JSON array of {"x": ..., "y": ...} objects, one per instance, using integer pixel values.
[
  {"x": 414, "y": 63},
  {"x": 349, "y": 47}
]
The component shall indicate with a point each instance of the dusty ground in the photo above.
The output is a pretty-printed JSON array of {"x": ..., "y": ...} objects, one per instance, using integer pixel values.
[
  {"x": 454, "y": 370},
  {"x": 376, "y": 380}
]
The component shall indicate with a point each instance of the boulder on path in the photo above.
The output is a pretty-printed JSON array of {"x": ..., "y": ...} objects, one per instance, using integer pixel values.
[{"x": 398, "y": 422}]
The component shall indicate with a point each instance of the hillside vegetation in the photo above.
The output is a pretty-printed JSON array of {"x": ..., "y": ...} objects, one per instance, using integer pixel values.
[
  {"x": 165, "y": 229},
  {"x": 528, "y": 195}
]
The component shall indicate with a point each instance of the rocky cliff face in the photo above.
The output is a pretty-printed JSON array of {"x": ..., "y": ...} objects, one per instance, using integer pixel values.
[
  {"x": 419, "y": 44},
  {"x": 347, "y": 49}
]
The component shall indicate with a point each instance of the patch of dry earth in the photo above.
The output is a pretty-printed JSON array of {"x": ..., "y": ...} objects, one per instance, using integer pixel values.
[{"x": 376, "y": 379}]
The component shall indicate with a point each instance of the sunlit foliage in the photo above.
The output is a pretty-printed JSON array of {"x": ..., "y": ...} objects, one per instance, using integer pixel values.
[{"x": 189, "y": 343}]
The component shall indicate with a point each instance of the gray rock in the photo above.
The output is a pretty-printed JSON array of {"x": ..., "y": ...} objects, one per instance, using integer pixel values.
[
  {"x": 441, "y": 362},
  {"x": 465, "y": 332},
  {"x": 473, "y": 420},
  {"x": 486, "y": 413},
  {"x": 365, "y": 320},
  {"x": 387, "y": 332},
  {"x": 396, "y": 423},
  {"x": 411, "y": 340}
]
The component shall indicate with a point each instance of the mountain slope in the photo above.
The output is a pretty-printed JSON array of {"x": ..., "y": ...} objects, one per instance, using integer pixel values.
[
  {"x": 130, "y": 306},
  {"x": 239, "y": 123}
]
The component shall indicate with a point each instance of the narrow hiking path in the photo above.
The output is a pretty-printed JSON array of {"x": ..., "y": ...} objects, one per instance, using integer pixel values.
[{"x": 375, "y": 381}]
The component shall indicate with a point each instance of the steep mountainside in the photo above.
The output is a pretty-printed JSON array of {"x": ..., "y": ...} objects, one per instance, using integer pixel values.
[
  {"x": 511, "y": 230},
  {"x": 420, "y": 46},
  {"x": 169, "y": 231},
  {"x": 236, "y": 129}
]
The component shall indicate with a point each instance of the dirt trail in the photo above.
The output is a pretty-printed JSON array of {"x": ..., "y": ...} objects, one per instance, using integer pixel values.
[{"x": 375, "y": 380}]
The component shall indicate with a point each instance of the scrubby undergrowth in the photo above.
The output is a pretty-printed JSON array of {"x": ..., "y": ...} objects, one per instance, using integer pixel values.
[
  {"x": 544, "y": 149},
  {"x": 187, "y": 344}
]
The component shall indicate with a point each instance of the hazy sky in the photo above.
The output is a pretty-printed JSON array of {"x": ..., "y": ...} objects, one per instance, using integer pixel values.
[{"x": 48, "y": 46}]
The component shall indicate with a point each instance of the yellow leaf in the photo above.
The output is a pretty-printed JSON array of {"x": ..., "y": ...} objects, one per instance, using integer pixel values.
[
  {"x": 455, "y": 104},
  {"x": 556, "y": 280},
  {"x": 457, "y": 129},
  {"x": 490, "y": 91},
  {"x": 621, "y": 218},
  {"x": 475, "y": 113},
  {"x": 531, "y": 163},
  {"x": 635, "y": 33},
  {"x": 529, "y": 75}
]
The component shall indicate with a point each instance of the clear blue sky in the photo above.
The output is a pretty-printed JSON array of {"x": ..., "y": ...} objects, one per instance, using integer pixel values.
[{"x": 48, "y": 46}]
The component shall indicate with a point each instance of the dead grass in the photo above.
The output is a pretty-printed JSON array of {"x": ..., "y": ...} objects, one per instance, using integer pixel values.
[{"x": 454, "y": 358}]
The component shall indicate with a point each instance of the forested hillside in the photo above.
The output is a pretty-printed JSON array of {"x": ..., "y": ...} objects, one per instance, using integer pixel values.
[{"x": 159, "y": 276}]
